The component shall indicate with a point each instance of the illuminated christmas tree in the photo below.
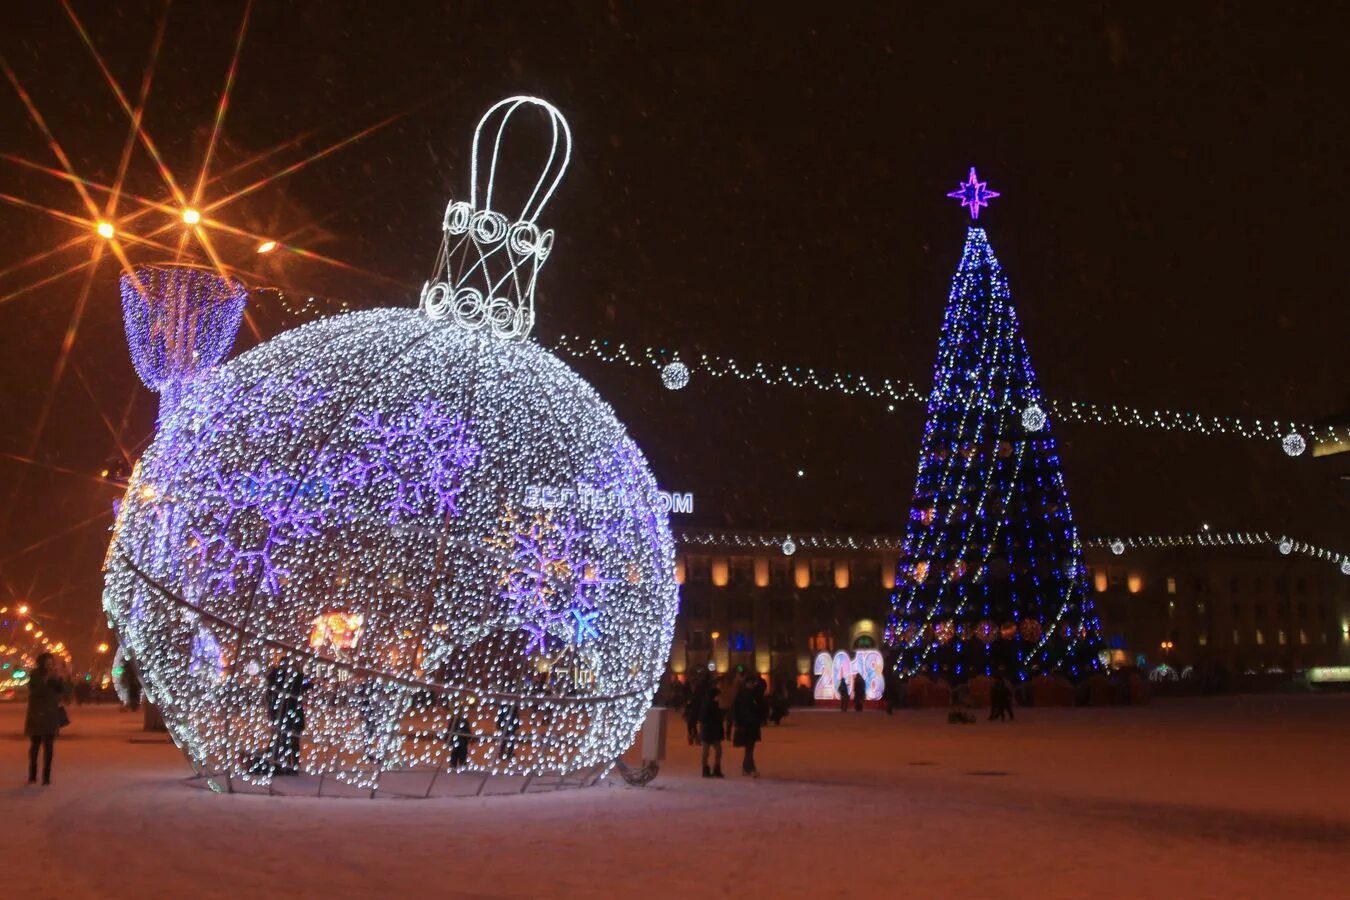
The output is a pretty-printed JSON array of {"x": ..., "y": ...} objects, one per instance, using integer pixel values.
[{"x": 991, "y": 577}]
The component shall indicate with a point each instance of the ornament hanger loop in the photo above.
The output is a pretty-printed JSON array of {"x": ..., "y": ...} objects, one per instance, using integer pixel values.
[
  {"x": 494, "y": 122},
  {"x": 489, "y": 261}
]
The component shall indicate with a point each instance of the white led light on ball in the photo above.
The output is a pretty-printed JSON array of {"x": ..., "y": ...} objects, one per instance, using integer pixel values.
[
  {"x": 333, "y": 561},
  {"x": 675, "y": 376},
  {"x": 1033, "y": 418}
]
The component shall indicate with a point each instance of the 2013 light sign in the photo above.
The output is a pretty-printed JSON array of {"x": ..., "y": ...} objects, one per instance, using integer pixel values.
[{"x": 832, "y": 668}]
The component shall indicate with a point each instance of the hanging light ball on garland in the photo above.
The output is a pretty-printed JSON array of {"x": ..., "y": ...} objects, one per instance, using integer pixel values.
[
  {"x": 1033, "y": 418},
  {"x": 789, "y": 547},
  {"x": 1118, "y": 547},
  {"x": 675, "y": 375},
  {"x": 1345, "y": 567},
  {"x": 1294, "y": 444},
  {"x": 402, "y": 522},
  {"x": 1286, "y": 546}
]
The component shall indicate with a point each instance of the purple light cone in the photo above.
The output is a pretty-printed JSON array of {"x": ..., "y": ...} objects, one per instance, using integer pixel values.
[{"x": 180, "y": 321}]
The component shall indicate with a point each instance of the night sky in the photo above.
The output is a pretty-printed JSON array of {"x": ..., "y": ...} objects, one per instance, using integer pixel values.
[{"x": 762, "y": 181}]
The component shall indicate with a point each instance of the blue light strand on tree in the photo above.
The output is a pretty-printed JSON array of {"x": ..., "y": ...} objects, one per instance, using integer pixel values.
[{"x": 991, "y": 574}]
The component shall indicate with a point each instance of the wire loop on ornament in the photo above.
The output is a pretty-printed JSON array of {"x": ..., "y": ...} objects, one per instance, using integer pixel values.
[{"x": 489, "y": 261}]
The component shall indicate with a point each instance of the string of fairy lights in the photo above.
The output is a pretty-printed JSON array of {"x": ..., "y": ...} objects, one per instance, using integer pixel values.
[
  {"x": 791, "y": 543},
  {"x": 677, "y": 371},
  {"x": 1293, "y": 436}
]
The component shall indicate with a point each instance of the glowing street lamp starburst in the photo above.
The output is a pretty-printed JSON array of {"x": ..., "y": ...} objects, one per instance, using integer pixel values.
[{"x": 973, "y": 194}]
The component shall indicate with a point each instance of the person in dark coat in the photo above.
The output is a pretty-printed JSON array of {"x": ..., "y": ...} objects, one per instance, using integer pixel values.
[
  {"x": 843, "y": 694},
  {"x": 859, "y": 690},
  {"x": 1000, "y": 698},
  {"x": 711, "y": 731},
  {"x": 131, "y": 683},
  {"x": 749, "y": 717},
  {"x": 693, "y": 708},
  {"x": 286, "y": 689},
  {"x": 460, "y": 736},
  {"x": 508, "y": 724},
  {"x": 778, "y": 706},
  {"x": 44, "y": 717}
]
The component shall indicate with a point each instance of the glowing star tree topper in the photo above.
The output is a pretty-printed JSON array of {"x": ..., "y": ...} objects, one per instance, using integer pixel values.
[
  {"x": 974, "y": 194},
  {"x": 330, "y": 562}
]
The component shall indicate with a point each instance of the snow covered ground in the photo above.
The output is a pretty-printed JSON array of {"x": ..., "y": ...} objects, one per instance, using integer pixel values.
[{"x": 1220, "y": 797}]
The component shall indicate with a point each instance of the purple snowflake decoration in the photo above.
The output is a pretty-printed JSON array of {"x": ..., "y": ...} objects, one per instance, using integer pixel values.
[
  {"x": 553, "y": 589},
  {"x": 419, "y": 457},
  {"x": 255, "y": 515}
]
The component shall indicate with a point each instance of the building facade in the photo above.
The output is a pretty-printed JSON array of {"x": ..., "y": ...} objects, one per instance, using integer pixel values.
[{"x": 747, "y": 602}]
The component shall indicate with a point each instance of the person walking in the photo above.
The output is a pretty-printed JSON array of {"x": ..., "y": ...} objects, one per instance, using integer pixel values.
[
  {"x": 749, "y": 718},
  {"x": 693, "y": 708},
  {"x": 859, "y": 691},
  {"x": 131, "y": 683},
  {"x": 45, "y": 715},
  {"x": 286, "y": 689},
  {"x": 711, "y": 731},
  {"x": 460, "y": 736},
  {"x": 508, "y": 723},
  {"x": 726, "y": 701},
  {"x": 1000, "y": 699}
]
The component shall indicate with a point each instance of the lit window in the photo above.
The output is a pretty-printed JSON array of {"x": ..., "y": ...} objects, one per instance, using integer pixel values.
[
  {"x": 721, "y": 571},
  {"x": 1282, "y": 638},
  {"x": 761, "y": 571},
  {"x": 1260, "y": 636},
  {"x": 1236, "y": 639},
  {"x": 1203, "y": 639},
  {"x": 1302, "y": 636},
  {"x": 1171, "y": 585},
  {"x": 1200, "y": 607}
]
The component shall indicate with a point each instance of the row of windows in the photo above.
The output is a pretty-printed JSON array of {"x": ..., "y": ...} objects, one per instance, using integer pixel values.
[
  {"x": 1283, "y": 609},
  {"x": 1105, "y": 579},
  {"x": 742, "y": 641},
  {"x": 763, "y": 571}
]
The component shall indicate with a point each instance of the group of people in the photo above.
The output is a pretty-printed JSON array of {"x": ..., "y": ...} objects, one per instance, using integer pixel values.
[
  {"x": 859, "y": 692},
  {"x": 736, "y": 708}
]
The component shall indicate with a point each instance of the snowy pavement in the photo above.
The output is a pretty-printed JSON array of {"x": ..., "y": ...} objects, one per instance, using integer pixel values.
[{"x": 1218, "y": 797}]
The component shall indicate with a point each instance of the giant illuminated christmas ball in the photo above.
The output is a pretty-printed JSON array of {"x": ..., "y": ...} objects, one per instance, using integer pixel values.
[{"x": 401, "y": 539}]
